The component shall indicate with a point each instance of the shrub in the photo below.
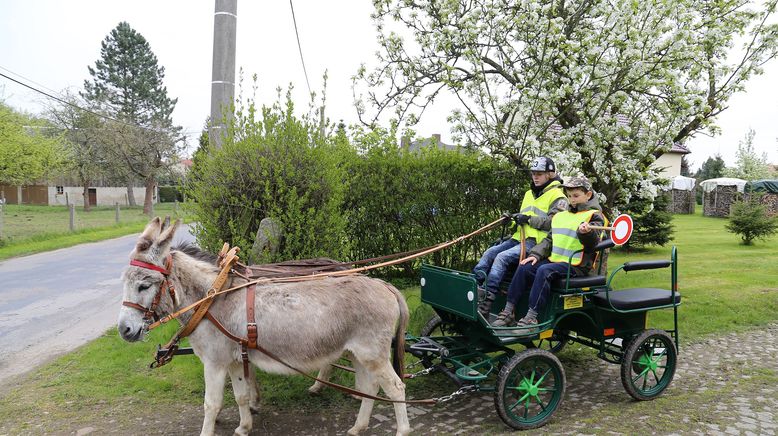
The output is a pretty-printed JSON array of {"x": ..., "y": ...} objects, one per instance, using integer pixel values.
[
  {"x": 276, "y": 166},
  {"x": 749, "y": 219},
  {"x": 169, "y": 194},
  {"x": 401, "y": 200},
  {"x": 652, "y": 222}
]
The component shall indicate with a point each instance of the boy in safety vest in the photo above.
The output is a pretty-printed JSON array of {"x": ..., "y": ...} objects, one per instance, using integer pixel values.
[
  {"x": 550, "y": 259},
  {"x": 540, "y": 203}
]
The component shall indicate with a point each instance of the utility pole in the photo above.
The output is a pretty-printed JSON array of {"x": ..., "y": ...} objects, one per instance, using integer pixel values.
[{"x": 225, "y": 20}]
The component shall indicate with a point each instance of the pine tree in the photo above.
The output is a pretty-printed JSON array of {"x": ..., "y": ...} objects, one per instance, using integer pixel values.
[
  {"x": 127, "y": 83},
  {"x": 128, "y": 78}
]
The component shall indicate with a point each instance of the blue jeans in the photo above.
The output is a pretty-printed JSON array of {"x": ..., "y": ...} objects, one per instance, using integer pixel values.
[
  {"x": 537, "y": 278},
  {"x": 496, "y": 261}
]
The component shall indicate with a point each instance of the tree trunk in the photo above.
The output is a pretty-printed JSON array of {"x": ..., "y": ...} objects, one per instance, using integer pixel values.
[
  {"x": 151, "y": 183},
  {"x": 87, "y": 206},
  {"x": 130, "y": 194}
]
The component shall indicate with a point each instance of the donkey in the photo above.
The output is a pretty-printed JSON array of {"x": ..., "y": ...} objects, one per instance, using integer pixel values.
[{"x": 307, "y": 325}]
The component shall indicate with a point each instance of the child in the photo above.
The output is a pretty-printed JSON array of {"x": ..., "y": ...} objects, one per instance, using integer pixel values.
[
  {"x": 540, "y": 203},
  {"x": 550, "y": 259}
]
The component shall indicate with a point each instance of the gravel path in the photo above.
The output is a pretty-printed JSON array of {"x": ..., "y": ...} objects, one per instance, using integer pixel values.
[{"x": 723, "y": 386}]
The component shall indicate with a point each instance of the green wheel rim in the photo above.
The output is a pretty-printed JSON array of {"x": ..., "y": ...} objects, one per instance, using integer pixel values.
[
  {"x": 533, "y": 390},
  {"x": 653, "y": 365}
]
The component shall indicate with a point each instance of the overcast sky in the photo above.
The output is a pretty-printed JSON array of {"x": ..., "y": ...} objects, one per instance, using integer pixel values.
[{"x": 51, "y": 43}]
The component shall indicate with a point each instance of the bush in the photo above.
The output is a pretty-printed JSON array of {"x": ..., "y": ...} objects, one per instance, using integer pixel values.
[
  {"x": 169, "y": 194},
  {"x": 651, "y": 222},
  {"x": 277, "y": 166},
  {"x": 749, "y": 219},
  {"x": 401, "y": 200}
]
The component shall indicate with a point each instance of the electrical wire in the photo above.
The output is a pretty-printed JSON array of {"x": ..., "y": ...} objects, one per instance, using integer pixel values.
[
  {"x": 300, "y": 48},
  {"x": 69, "y": 103}
]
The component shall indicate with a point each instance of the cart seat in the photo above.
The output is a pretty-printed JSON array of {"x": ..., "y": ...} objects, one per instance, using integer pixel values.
[
  {"x": 636, "y": 298},
  {"x": 579, "y": 282}
]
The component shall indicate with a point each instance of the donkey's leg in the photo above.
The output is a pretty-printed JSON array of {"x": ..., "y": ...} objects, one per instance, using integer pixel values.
[
  {"x": 324, "y": 374},
  {"x": 215, "y": 375},
  {"x": 253, "y": 391},
  {"x": 394, "y": 388},
  {"x": 366, "y": 383},
  {"x": 242, "y": 387}
]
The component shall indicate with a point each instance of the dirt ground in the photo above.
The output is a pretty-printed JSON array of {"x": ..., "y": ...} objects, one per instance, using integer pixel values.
[{"x": 723, "y": 385}]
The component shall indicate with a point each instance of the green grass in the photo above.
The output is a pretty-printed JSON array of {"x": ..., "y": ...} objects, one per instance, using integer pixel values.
[
  {"x": 33, "y": 229},
  {"x": 725, "y": 286}
]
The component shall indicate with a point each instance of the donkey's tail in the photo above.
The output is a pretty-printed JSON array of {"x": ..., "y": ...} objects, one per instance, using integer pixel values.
[{"x": 398, "y": 356}]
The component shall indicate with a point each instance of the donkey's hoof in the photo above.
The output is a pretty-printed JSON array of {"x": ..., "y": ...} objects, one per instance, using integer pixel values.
[
  {"x": 315, "y": 389},
  {"x": 353, "y": 431}
]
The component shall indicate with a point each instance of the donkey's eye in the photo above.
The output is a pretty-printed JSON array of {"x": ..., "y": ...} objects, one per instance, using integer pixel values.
[{"x": 143, "y": 287}]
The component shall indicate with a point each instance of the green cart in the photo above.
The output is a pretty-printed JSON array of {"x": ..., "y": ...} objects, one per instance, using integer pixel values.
[{"x": 529, "y": 382}]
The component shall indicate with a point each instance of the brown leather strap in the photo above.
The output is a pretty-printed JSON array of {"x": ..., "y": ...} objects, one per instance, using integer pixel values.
[{"x": 251, "y": 324}]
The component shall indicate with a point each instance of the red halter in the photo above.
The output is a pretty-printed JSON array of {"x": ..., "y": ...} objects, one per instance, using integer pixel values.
[{"x": 150, "y": 313}]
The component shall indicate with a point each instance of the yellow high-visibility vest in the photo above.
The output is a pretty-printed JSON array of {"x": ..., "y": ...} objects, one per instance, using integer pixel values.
[
  {"x": 538, "y": 207},
  {"x": 564, "y": 236}
]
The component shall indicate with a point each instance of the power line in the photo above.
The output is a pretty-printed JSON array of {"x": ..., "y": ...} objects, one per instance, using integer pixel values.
[
  {"x": 300, "y": 48},
  {"x": 73, "y": 104},
  {"x": 30, "y": 80}
]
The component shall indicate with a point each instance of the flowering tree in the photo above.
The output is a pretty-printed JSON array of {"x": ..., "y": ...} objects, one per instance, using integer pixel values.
[{"x": 603, "y": 86}]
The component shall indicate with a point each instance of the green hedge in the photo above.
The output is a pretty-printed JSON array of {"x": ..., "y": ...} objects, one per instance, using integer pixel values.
[
  {"x": 169, "y": 194},
  {"x": 400, "y": 200}
]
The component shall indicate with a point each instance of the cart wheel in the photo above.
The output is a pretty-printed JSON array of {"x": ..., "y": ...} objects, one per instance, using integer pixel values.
[
  {"x": 530, "y": 387},
  {"x": 554, "y": 344},
  {"x": 648, "y": 365},
  {"x": 436, "y": 327}
]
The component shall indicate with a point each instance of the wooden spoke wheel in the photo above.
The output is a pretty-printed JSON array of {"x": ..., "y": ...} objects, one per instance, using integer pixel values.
[
  {"x": 648, "y": 365},
  {"x": 530, "y": 387}
]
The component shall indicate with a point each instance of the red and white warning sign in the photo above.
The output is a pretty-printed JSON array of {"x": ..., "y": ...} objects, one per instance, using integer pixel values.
[{"x": 621, "y": 229}]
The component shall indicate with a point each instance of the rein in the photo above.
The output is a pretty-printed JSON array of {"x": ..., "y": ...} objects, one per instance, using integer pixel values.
[
  {"x": 324, "y": 275},
  {"x": 226, "y": 261}
]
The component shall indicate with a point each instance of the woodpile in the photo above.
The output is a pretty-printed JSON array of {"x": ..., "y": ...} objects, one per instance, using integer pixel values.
[
  {"x": 770, "y": 200},
  {"x": 681, "y": 201},
  {"x": 718, "y": 202}
]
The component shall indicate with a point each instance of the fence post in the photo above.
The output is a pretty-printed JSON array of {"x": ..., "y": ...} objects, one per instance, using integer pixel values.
[
  {"x": 175, "y": 208},
  {"x": 72, "y": 217},
  {"x": 2, "y": 203},
  {"x": 117, "y": 212}
]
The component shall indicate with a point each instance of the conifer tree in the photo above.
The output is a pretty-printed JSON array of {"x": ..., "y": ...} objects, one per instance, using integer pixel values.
[{"x": 127, "y": 82}]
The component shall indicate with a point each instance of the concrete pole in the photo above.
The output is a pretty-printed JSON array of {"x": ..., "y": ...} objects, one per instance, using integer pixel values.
[
  {"x": 117, "y": 212},
  {"x": 72, "y": 217},
  {"x": 225, "y": 22}
]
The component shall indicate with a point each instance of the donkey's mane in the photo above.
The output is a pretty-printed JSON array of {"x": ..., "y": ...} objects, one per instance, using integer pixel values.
[{"x": 198, "y": 253}]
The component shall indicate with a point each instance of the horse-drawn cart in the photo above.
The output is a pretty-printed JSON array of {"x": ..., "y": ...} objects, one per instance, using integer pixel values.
[{"x": 529, "y": 385}]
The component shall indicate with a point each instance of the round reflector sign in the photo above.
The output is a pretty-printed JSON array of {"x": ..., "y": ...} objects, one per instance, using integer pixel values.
[{"x": 622, "y": 229}]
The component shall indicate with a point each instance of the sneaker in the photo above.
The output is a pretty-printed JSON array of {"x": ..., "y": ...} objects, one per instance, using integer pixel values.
[
  {"x": 485, "y": 306},
  {"x": 504, "y": 319},
  {"x": 527, "y": 320}
]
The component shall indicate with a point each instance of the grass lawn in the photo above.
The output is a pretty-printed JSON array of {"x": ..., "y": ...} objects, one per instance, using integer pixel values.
[
  {"x": 725, "y": 286},
  {"x": 28, "y": 229}
]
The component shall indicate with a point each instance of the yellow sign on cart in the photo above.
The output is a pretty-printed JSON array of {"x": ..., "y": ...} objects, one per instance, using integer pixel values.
[{"x": 573, "y": 301}]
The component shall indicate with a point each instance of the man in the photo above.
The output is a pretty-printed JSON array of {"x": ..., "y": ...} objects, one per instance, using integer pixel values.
[{"x": 540, "y": 203}]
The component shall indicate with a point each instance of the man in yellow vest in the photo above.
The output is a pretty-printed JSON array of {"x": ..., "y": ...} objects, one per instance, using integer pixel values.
[
  {"x": 550, "y": 259},
  {"x": 540, "y": 203}
]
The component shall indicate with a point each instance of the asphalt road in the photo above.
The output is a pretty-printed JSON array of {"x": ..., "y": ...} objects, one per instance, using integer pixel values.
[{"x": 51, "y": 303}]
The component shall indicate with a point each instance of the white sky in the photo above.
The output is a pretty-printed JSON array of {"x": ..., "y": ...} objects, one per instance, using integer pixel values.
[{"x": 52, "y": 42}]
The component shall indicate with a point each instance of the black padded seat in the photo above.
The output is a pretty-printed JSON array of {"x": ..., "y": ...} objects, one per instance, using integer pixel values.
[
  {"x": 579, "y": 282},
  {"x": 636, "y": 298}
]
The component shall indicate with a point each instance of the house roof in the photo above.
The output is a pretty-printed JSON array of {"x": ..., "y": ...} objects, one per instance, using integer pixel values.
[{"x": 678, "y": 148}]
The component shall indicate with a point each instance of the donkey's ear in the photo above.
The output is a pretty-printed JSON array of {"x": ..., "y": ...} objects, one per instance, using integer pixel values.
[
  {"x": 149, "y": 234},
  {"x": 166, "y": 237}
]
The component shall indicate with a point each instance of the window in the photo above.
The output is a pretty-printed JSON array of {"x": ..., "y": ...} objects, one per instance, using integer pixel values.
[{"x": 60, "y": 189}]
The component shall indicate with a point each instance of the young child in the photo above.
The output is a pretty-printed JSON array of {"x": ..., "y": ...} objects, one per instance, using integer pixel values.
[
  {"x": 550, "y": 259},
  {"x": 540, "y": 203}
]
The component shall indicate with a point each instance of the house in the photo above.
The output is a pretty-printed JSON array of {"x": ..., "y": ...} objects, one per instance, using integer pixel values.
[
  {"x": 669, "y": 164},
  {"x": 418, "y": 144},
  {"x": 63, "y": 194}
]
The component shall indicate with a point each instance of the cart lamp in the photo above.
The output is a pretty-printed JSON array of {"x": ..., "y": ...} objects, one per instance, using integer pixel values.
[{"x": 609, "y": 332}]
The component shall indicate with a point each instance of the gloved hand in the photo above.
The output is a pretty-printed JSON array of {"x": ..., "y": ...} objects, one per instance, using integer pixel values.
[
  {"x": 520, "y": 218},
  {"x": 506, "y": 217}
]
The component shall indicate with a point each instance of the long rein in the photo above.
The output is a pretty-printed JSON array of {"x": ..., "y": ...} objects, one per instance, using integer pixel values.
[{"x": 323, "y": 275}]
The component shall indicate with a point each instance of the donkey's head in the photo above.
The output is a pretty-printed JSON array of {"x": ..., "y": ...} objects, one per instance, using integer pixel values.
[{"x": 146, "y": 293}]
